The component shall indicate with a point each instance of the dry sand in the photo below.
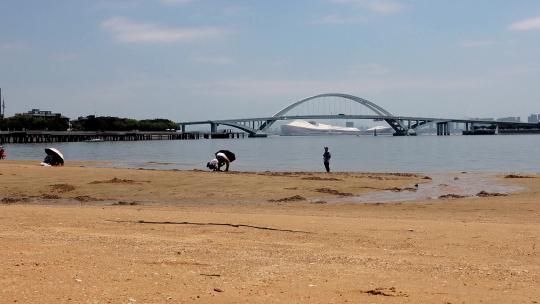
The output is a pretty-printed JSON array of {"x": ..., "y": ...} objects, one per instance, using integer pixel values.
[{"x": 190, "y": 236}]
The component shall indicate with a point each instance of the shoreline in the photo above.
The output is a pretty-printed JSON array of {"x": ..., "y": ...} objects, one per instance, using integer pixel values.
[
  {"x": 84, "y": 182},
  {"x": 181, "y": 242},
  {"x": 87, "y": 182}
]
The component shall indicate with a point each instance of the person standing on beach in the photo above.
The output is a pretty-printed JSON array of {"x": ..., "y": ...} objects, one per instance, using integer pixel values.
[
  {"x": 326, "y": 159},
  {"x": 2, "y": 153}
]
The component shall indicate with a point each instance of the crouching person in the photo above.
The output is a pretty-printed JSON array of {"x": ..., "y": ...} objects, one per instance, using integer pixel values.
[{"x": 223, "y": 158}]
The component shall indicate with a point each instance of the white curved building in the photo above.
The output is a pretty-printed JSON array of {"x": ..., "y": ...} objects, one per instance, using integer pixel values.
[{"x": 302, "y": 127}]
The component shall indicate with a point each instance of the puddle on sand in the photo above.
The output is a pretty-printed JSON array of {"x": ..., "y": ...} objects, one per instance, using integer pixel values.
[{"x": 464, "y": 184}]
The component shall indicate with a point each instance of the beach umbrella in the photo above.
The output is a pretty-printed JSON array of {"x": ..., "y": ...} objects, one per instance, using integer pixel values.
[{"x": 54, "y": 152}]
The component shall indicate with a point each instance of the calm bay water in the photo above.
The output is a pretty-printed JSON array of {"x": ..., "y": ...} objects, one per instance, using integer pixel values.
[{"x": 512, "y": 153}]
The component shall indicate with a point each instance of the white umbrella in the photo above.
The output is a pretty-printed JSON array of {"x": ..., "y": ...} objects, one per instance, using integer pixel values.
[{"x": 54, "y": 151}]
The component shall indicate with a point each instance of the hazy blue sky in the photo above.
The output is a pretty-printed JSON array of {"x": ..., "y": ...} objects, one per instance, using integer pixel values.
[{"x": 199, "y": 59}]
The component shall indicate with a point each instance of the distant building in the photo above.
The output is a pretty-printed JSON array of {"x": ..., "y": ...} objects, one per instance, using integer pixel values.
[
  {"x": 533, "y": 118},
  {"x": 302, "y": 127},
  {"x": 39, "y": 113},
  {"x": 36, "y": 119},
  {"x": 510, "y": 119}
]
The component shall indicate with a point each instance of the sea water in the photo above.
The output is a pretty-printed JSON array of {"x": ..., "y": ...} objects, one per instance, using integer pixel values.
[{"x": 500, "y": 153}]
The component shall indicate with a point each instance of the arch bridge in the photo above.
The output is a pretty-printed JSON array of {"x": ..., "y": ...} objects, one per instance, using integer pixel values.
[{"x": 402, "y": 125}]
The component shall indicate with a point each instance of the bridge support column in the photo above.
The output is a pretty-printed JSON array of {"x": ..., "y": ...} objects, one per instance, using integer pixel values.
[
  {"x": 257, "y": 135},
  {"x": 442, "y": 129},
  {"x": 213, "y": 127},
  {"x": 183, "y": 128}
]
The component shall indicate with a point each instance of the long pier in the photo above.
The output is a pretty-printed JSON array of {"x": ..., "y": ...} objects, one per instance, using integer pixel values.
[{"x": 81, "y": 136}]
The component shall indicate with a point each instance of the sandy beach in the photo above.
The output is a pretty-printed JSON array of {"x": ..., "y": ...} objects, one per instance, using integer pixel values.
[{"x": 81, "y": 234}]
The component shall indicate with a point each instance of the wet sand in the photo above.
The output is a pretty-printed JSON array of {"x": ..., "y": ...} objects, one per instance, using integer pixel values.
[
  {"x": 444, "y": 185},
  {"x": 99, "y": 235}
]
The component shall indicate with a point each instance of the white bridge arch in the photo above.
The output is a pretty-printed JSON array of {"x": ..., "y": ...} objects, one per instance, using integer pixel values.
[{"x": 378, "y": 110}]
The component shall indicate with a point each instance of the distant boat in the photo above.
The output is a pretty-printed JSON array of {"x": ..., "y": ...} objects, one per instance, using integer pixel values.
[{"x": 94, "y": 140}]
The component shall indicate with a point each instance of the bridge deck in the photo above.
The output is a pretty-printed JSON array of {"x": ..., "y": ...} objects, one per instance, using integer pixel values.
[
  {"x": 259, "y": 125},
  {"x": 352, "y": 117}
]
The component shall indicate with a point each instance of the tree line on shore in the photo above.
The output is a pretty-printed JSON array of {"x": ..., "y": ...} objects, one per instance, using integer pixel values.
[{"x": 88, "y": 123}]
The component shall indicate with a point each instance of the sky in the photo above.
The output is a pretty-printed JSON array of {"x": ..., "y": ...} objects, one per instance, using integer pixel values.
[{"x": 210, "y": 59}]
